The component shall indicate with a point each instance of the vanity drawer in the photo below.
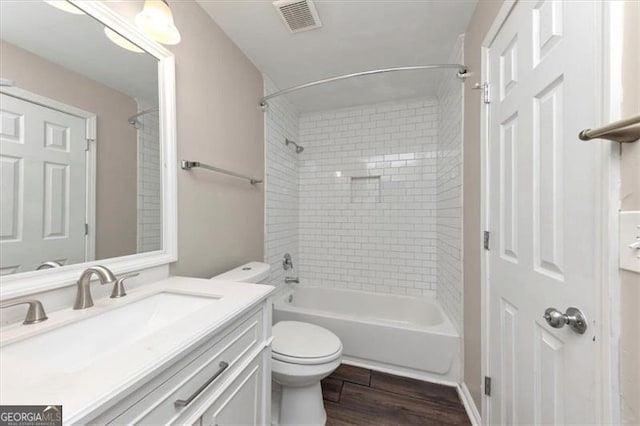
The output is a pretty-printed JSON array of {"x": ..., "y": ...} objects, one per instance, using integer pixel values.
[
  {"x": 199, "y": 376},
  {"x": 239, "y": 403}
]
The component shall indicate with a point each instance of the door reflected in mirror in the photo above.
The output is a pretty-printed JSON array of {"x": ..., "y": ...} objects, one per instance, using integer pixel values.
[{"x": 80, "y": 150}]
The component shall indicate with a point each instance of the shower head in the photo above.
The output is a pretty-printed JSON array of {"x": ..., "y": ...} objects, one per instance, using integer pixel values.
[{"x": 299, "y": 149}]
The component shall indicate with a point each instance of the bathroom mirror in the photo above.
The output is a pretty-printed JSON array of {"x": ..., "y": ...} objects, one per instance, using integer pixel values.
[{"x": 87, "y": 144}]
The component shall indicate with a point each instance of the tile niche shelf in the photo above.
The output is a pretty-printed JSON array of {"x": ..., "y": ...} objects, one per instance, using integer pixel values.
[{"x": 365, "y": 189}]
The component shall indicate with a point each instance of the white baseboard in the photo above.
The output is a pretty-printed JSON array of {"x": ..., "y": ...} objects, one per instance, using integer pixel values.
[{"x": 469, "y": 405}]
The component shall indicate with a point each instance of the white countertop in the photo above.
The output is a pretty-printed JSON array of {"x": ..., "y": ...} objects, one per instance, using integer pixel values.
[{"x": 84, "y": 390}]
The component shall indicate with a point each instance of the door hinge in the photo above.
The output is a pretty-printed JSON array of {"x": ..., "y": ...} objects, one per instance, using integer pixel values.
[
  {"x": 487, "y": 385},
  {"x": 484, "y": 87},
  {"x": 86, "y": 229},
  {"x": 487, "y": 239}
]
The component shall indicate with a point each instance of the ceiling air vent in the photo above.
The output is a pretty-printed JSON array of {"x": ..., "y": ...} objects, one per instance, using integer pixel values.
[{"x": 298, "y": 15}]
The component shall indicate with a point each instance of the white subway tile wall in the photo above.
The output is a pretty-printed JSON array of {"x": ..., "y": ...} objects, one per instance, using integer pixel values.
[
  {"x": 367, "y": 198},
  {"x": 281, "y": 221},
  {"x": 449, "y": 194},
  {"x": 149, "y": 184}
]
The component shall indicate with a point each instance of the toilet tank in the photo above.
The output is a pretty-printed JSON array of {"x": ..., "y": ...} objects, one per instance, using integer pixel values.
[{"x": 252, "y": 272}]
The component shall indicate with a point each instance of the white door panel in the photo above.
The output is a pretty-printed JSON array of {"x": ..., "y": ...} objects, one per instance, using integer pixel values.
[
  {"x": 44, "y": 186},
  {"x": 543, "y": 214}
]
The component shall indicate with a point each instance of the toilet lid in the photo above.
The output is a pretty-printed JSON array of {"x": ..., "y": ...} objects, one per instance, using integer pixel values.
[{"x": 294, "y": 339}]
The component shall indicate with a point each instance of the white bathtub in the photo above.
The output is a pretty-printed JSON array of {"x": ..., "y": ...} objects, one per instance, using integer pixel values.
[{"x": 400, "y": 334}]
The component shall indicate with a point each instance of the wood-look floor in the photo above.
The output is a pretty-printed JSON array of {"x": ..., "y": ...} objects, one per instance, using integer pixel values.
[{"x": 358, "y": 396}]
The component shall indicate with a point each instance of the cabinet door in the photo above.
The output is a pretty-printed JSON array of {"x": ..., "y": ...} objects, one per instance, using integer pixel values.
[{"x": 240, "y": 403}]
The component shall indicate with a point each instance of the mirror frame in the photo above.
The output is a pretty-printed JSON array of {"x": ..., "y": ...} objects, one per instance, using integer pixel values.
[{"x": 25, "y": 283}]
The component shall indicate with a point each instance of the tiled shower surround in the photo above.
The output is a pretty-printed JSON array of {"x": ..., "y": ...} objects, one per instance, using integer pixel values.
[
  {"x": 374, "y": 201},
  {"x": 281, "y": 222},
  {"x": 149, "y": 182},
  {"x": 449, "y": 194},
  {"x": 368, "y": 198}
]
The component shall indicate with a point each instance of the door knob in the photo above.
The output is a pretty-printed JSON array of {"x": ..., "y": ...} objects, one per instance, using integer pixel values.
[{"x": 573, "y": 317}]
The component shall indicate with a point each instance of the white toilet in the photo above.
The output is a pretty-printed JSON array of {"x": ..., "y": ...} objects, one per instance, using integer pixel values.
[{"x": 302, "y": 355}]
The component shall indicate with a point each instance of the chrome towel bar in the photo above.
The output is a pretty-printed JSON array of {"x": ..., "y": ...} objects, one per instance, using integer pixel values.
[
  {"x": 188, "y": 165},
  {"x": 627, "y": 130}
]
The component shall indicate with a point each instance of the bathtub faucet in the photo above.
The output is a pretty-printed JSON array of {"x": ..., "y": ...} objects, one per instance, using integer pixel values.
[{"x": 291, "y": 280}]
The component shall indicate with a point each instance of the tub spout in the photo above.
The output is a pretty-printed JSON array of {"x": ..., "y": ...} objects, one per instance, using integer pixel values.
[{"x": 291, "y": 280}]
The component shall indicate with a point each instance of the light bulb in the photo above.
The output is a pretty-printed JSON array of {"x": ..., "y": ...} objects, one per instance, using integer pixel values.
[{"x": 156, "y": 20}]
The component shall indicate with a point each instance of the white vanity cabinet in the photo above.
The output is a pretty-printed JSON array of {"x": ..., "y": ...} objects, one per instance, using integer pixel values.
[
  {"x": 239, "y": 404},
  {"x": 224, "y": 381}
]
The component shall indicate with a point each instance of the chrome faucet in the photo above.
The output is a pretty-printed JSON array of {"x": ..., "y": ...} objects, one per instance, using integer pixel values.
[
  {"x": 35, "y": 314},
  {"x": 83, "y": 296},
  {"x": 291, "y": 280}
]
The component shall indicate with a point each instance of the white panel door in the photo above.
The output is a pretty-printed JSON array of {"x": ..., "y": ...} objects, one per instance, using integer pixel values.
[
  {"x": 543, "y": 213},
  {"x": 44, "y": 186}
]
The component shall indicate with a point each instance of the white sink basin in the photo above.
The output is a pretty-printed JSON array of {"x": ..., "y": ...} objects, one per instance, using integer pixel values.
[{"x": 77, "y": 345}]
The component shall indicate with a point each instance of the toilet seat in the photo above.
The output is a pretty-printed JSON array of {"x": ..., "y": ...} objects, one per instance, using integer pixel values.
[
  {"x": 302, "y": 343},
  {"x": 305, "y": 361}
]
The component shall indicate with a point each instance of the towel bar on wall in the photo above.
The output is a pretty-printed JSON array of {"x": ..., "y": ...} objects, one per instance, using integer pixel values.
[
  {"x": 188, "y": 165},
  {"x": 627, "y": 130}
]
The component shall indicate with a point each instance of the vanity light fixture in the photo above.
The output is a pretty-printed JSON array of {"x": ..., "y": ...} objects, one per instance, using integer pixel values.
[
  {"x": 64, "y": 5},
  {"x": 156, "y": 21},
  {"x": 121, "y": 41}
]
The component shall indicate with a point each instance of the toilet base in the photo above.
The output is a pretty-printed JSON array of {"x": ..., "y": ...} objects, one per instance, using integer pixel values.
[{"x": 302, "y": 406}]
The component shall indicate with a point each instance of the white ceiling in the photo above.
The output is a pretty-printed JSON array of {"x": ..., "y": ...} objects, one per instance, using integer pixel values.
[
  {"x": 78, "y": 43},
  {"x": 355, "y": 36}
]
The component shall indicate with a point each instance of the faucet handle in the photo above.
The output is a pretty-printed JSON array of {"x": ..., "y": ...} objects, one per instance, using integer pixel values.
[
  {"x": 35, "y": 314},
  {"x": 287, "y": 262},
  {"x": 118, "y": 287}
]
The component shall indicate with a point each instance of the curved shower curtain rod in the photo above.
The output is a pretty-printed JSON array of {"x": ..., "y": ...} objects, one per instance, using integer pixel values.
[
  {"x": 461, "y": 74},
  {"x": 134, "y": 118}
]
